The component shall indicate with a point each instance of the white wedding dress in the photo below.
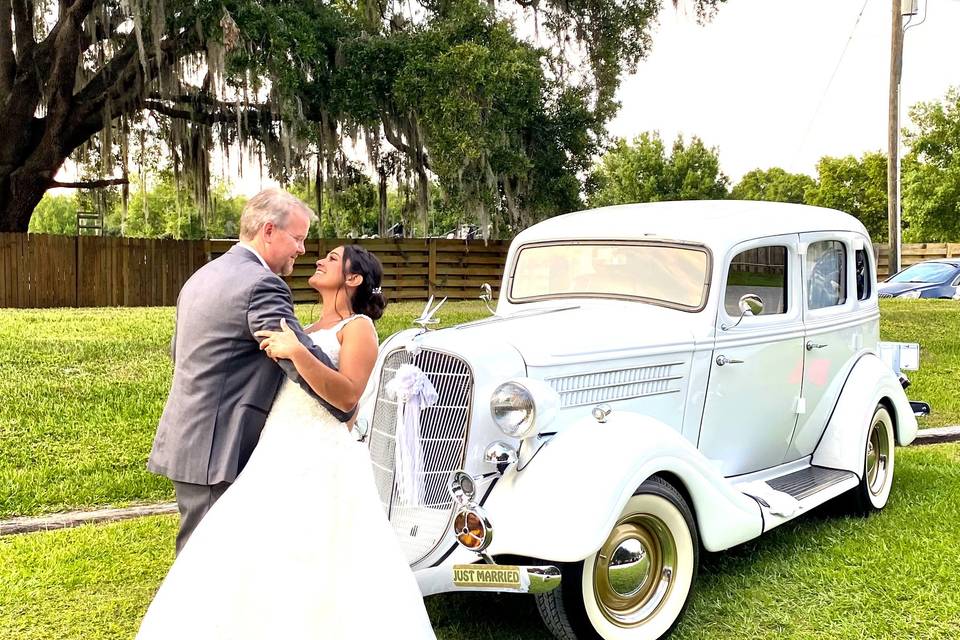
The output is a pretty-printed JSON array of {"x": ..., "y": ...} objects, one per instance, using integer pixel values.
[{"x": 298, "y": 547}]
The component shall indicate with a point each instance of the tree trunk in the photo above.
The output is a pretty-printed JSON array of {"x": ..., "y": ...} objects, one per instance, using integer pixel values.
[{"x": 382, "y": 196}]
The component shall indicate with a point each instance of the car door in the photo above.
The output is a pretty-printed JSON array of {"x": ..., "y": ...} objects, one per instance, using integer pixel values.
[
  {"x": 757, "y": 363},
  {"x": 841, "y": 319}
]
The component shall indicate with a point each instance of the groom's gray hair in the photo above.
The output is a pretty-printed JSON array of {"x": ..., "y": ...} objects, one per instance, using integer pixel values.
[{"x": 270, "y": 205}]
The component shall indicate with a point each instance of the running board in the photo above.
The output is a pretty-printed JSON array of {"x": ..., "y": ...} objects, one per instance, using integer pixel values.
[
  {"x": 806, "y": 482},
  {"x": 809, "y": 486}
]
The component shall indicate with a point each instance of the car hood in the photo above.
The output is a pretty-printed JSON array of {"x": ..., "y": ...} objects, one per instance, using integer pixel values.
[
  {"x": 896, "y": 288},
  {"x": 575, "y": 333}
]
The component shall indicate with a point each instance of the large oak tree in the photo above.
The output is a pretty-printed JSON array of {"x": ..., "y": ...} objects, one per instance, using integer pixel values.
[{"x": 444, "y": 87}]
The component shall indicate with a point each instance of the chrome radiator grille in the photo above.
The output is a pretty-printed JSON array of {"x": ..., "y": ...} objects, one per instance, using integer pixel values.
[
  {"x": 619, "y": 384},
  {"x": 443, "y": 436}
]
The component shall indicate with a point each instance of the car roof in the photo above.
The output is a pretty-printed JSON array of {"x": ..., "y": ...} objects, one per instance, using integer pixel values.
[
  {"x": 955, "y": 262},
  {"x": 716, "y": 223}
]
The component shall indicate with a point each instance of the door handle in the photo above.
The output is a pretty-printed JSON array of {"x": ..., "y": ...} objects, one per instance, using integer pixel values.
[
  {"x": 722, "y": 360},
  {"x": 811, "y": 345}
]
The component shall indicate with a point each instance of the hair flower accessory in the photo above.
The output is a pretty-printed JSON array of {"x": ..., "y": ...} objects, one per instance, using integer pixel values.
[{"x": 376, "y": 290}]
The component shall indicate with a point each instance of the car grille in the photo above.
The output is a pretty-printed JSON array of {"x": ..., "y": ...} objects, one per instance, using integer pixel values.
[
  {"x": 884, "y": 295},
  {"x": 443, "y": 435}
]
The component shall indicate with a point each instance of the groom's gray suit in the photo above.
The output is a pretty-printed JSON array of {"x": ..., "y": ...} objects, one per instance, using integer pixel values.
[{"x": 223, "y": 385}]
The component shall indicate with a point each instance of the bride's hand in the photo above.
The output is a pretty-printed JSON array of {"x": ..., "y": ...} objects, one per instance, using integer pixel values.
[{"x": 279, "y": 344}]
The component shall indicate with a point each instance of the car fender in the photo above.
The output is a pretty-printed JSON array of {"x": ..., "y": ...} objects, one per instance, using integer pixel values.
[
  {"x": 566, "y": 500},
  {"x": 843, "y": 444}
]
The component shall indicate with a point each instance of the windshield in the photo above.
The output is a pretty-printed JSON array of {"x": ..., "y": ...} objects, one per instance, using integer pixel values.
[
  {"x": 668, "y": 274},
  {"x": 925, "y": 272}
]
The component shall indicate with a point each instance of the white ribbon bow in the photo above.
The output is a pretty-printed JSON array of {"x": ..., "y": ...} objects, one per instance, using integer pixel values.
[{"x": 413, "y": 391}]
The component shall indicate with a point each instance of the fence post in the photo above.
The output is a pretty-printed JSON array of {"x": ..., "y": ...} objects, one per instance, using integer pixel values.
[{"x": 432, "y": 267}]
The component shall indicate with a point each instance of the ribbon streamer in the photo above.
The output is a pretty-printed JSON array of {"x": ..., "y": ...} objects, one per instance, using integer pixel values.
[{"x": 413, "y": 391}]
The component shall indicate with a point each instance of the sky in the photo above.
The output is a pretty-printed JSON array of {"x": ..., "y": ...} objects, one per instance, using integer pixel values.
[{"x": 755, "y": 82}]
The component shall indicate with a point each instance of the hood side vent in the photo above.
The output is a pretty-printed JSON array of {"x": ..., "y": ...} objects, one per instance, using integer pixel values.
[{"x": 617, "y": 384}]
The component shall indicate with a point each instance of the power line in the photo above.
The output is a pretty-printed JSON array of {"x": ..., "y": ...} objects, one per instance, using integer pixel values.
[{"x": 826, "y": 89}]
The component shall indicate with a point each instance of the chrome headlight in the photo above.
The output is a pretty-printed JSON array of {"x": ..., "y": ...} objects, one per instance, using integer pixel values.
[
  {"x": 513, "y": 409},
  {"x": 911, "y": 294},
  {"x": 518, "y": 406}
]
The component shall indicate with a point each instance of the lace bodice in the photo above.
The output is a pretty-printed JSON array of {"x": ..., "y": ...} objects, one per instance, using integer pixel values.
[{"x": 293, "y": 404}]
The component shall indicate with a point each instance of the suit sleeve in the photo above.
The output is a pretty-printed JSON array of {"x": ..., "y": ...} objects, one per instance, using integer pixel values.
[
  {"x": 173, "y": 340},
  {"x": 270, "y": 300}
]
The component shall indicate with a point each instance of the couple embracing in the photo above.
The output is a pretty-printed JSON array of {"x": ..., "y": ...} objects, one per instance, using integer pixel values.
[{"x": 282, "y": 534}]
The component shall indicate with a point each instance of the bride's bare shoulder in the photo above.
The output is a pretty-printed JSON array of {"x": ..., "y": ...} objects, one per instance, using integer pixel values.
[{"x": 359, "y": 326}]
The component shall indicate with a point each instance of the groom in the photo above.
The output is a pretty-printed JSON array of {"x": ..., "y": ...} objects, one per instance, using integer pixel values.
[{"x": 223, "y": 385}]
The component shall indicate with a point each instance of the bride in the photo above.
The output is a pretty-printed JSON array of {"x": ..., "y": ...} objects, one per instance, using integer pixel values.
[{"x": 299, "y": 546}]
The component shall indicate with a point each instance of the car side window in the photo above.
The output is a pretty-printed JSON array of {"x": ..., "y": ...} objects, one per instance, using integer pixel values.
[
  {"x": 864, "y": 277},
  {"x": 826, "y": 274},
  {"x": 761, "y": 271}
]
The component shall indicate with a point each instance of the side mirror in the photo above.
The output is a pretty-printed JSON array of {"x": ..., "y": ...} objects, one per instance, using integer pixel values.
[
  {"x": 750, "y": 304},
  {"x": 487, "y": 296}
]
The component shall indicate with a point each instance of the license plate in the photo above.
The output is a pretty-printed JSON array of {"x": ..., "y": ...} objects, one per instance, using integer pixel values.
[{"x": 491, "y": 576}]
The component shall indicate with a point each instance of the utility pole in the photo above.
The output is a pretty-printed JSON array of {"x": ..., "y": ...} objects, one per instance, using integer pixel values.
[{"x": 893, "y": 137}]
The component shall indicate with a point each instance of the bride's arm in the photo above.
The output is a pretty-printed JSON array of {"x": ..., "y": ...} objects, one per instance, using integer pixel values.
[{"x": 358, "y": 354}]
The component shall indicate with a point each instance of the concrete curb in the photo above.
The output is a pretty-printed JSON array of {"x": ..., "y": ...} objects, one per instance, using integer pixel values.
[
  {"x": 74, "y": 518},
  {"x": 938, "y": 435}
]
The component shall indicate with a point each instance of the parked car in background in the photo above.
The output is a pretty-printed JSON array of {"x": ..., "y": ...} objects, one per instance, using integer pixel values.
[
  {"x": 927, "y": 279},
  {"x": 656, "y": 379}
]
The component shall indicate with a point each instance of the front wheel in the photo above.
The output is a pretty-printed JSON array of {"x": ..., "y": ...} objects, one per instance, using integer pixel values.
[
  {"x": 637, "y": 585},
  {"x": 874, "y": 489}
]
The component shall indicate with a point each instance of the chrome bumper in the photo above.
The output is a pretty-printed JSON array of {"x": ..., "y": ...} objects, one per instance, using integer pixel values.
[{"x": 488, "y": 577}]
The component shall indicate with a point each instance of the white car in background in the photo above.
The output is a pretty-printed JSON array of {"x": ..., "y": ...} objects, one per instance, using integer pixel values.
[{"x": 656, "y": 379}]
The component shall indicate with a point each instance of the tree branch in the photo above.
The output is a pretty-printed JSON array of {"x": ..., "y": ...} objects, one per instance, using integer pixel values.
[
  {"x": 89, "y": 184},
  {"x": 224, "y": 112},
  {"x": 8, "y": 64},
  {"x": 23, "y": 19}
]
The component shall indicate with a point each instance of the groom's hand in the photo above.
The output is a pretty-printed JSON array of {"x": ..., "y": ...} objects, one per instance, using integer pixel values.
[{"x": 280, "y": 344}]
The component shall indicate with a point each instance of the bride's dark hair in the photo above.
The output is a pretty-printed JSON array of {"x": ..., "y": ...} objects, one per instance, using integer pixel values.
[{"x": 368, "y": 298}]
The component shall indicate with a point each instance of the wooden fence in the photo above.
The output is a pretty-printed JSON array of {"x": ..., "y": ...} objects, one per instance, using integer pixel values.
[{"x": 91, "y": 271}]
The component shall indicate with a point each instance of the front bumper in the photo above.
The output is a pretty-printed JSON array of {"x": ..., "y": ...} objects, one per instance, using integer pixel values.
[{"x": 488, "y": 577}]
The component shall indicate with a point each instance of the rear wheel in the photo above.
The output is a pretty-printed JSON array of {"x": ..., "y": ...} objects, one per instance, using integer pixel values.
[
  {"x": 638, "y": 583},
  {"x": 874, "y": 489}
]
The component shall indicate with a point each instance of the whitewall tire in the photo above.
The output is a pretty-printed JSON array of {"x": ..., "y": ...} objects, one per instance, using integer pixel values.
[
  {"x": 873, "y": 492},
  {"x": 638, "y": 584}
]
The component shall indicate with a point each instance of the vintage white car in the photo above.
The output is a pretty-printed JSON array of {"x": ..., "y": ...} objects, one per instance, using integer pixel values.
[{"x": 655, "y": 379}]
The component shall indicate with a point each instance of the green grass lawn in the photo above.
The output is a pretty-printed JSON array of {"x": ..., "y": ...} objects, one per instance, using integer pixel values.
[
  {"x": 83, "y": 390},
  {"x": 892, "y": 576}
]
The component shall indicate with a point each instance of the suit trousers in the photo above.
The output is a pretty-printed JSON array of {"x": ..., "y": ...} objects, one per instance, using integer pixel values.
[{"x": 193, "y": 501}]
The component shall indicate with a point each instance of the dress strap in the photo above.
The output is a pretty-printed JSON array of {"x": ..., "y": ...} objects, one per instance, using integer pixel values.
[{"x": 340, "y": 325}]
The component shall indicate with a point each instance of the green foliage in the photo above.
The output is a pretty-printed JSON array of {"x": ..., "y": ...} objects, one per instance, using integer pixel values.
[
  {"x": 56, "y": 215},
  {"x": 773, "y": 185},
  {"x": 644, "y": 172},
  {"x": 931, "y": 171},
  {"x": 164, "y": 211},
  {"x": 855, "y": 186}
]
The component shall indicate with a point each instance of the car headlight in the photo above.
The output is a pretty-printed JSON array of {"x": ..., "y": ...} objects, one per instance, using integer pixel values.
[
  {"x": 513, "y": 409},
  {"x": 517, "y": 406},
  {"x": 911, "y": 294}
]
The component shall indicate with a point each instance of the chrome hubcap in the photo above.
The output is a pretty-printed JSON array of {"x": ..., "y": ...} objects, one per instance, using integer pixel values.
[
  {"x": 878, "y": 453},
  {"x": 634, "y": 570}
]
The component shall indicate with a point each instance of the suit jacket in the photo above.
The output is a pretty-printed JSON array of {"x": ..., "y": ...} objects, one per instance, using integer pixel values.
[{"x": 223, "y": 385}]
